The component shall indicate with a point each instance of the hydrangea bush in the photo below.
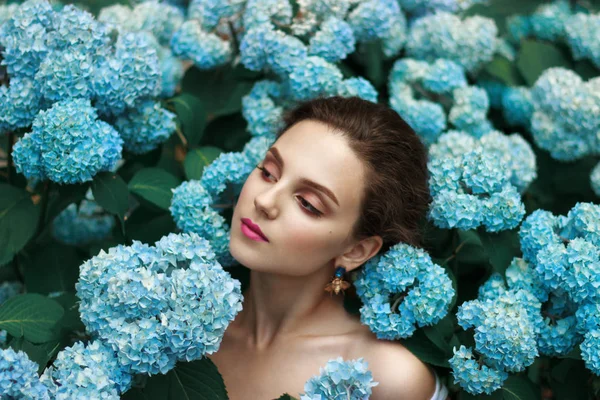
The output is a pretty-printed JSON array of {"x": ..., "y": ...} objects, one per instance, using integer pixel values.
[{"x": 127, "y": 132}]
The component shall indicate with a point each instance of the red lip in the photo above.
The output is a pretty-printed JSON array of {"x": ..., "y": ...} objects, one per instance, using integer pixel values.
[{"x": 254, "y": 227}]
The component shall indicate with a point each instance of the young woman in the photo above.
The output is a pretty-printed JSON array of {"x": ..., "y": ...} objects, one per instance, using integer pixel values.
[{"x": 345, "y": 179}]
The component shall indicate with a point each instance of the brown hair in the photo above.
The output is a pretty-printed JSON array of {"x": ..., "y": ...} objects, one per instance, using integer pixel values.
[{"x": 396, "y": 195}]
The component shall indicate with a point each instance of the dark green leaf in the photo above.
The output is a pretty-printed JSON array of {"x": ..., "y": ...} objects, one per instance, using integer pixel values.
[
  {"x": 30, "y": 315},
  {"x": 197, "y": 159},
  {"x": 192, "y": 115},
  {"x": 499, "y": 10},
  {"x": 520, "y": 388},
  {"x": 154, "y": 185},
  {"x": 71, "y": 320},
  {"x": 286, "y": 396},
  {"x": 151, "y": 228},
  {"x": 501, "y": 247},
  {"x": 199, "y": 380},
  {"x": 39, "y": 353},
  {"x": 470, "y": 249},
  {"x": 504, "y": 70},
  {"x": 18, "y": 220},
  {"x": 52, "y": 268},
  {"x": 65, "y": 195},
  {"x": 373, "y": 56},
  {"x": 535, "y": 57},
  {"x": 111, "y": 193},
  {"x": 440, "y": 333},
  {"x": 425, "y": 350}
]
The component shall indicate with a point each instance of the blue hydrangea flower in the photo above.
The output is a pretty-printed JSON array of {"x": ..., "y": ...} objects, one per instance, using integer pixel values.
[
  {"x": 582, "y": 32},
  {"x": 536, "y": 232},
  {"x": 210, "y": 12},
  {"x": 583, "y": 280},
  {"x": 408, "y": 274},
  {"x": 443, "y": 76},
  {"x": 518, "y": 27},
  {"x": 82, "y": 226},
  {"x": 503, "y": 210},
  {"x": 558, "y": 337},
  {"x": 473, "y": 377},
  {"x": 156, "y": 305},
  {"x": 311, "y": 78},
  {"x": 19, "y": 377},
  {"x": 469, "y": 111},
  {"x": 66, "y": 74},
  {"x": 340, "y": 380},
  {"x": 583, "y": 220},
  {"x": 19, "y": 103},
  {"x": 86, "y": 371},
  {"x": 132, "y": 73},
  {"x": 520, "y": 275},
  {"x": 145, "y": 127},
  {"x": 228, "y": 170},
  {"x": 455, "y": 210},
  {"x": 205, "y": 49},
  {"x": 426, "y": 6},
  {"x": 588, "y": 317},
  {"x": 117, "y": 16},
  {"x": 260, "y": 110},
  {"x": 68, "y": 144},
  {"x": 493, "y": 287},
  {"x": 548, "y": 20},
  {"x": 160, "y": 18},
  {"x": 517, "y": 106},
  {"x": 191, "y": 209},
  {"x": 171, "y": 71},
  {"x": 284, "y": 53},
  {"x": 483, "y": 172},
  {"x": 358, "y": 86},
  {"x": 261, "y": 12},
  {"x": 334, "y": 40},
  {"x": 7, "y": 10},
  {"x": 257, "y": 147},
  {"x": 590, "y": 350},
  {"x": 470, "y": 42}
]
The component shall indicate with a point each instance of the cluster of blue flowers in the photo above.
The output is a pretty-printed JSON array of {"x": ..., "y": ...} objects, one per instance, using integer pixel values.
[
  {"x": 19, "y": 378},
  {"x": 558, "y": 21},
  {"x": 64, "y": 71},
  {"x": 8, "y": 289},
  {"x": 422, "y": 292},
  {"x": 84, "y": 224},
  {"x": 564, "y": 253},
  {"x": 477, "y": 182},
  {"x": 340, "y": 380},
  {"x": 419, "y": 90}
]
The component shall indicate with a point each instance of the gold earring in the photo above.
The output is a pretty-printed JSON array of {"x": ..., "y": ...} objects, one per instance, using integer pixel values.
[{"x": 338, "y": 283}]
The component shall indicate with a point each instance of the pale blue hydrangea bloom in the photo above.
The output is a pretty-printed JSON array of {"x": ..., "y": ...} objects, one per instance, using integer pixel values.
[
  {"x": 333, "y": 41},
  {"x": 456, "y": 210},
  {"x": 358, "y": 86},
  {"x": 66, "y": 74},
  {"x": 583, "y": 280},
  {"x": 519, "y": 275},
  {"x": 145, "y": 127},
  {"x": 443, "y": 76},
  {"x": 257, "y": 147},
  {"x": 539, "y": 230},
  {"x": 205, "y": 49},
  {"x": 340, "y": 380},
  {"x": 210, "y": 12},
  {"x": 19, "y": 377},
  {"x": 558, "y": 337},
  {"x": 595, "y": 179},
  {"x": 160, "y": 18},
  {"x": 504, "y": 329},
  {"x": 409, "y": 270},
  {"x": 156, "y": 305},
  {"x": 582, "y": 31},
  {"x": 517, "y": 106},
  {"x": 471, "y": 376},
  {"x": 548, "y": 20},
  {"x": 7, "y": 10},
  {"x": 117, "y": 16},
  {"x": 260, "y": 108},
  {"x": 81, "y": 226},
  {"x": 518, "y": 27},
  {"x": 88, "y": 370},
  {"x": 566, "y": 114},
  {"x": 68, "y": 144},
  {"x": 130, "y": 74},
  {"x": 171, "y": 71},
  {"x": 311, "y": 78},
  {"x": 493, "y": 287},
  {"x": 583, "y": 221},
  {"x": 259, "y": 12},
  {"x": 470, "y": 42},
  {"x": 19, "y": 103},
  {"x": 469, "y": 111},
  {"x": 192, "y": 212},
  {"x": 379, "y": 19},
  {"x": 426, "y": 6},
  {"x": 283, "y": 52},
  {"x": 228, "y": 170},
  {"x": 23, "y": 37},
  {"x": 590, "y": 350},
  {"x": 588, "y": 317},
  {"x": 483, "y": 172}
]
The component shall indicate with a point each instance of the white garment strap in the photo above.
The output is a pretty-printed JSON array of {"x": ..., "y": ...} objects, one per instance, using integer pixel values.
[{"x": 441, "y": 391}]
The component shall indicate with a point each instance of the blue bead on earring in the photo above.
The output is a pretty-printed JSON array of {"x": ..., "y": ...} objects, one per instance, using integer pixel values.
[{"x": 338, "y": 283}]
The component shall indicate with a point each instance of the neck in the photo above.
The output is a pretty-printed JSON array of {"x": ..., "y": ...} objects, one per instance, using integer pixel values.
[{"x": 278, "y": 306}]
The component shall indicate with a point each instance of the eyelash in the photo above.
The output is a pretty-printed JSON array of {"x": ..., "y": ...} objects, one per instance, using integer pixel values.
[{"x": 316, "y": 212}]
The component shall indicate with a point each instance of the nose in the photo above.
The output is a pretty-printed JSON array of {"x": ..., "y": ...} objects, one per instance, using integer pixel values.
[{"x": 266, "y": 202}]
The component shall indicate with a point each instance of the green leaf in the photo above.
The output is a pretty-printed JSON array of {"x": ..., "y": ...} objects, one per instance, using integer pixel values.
[
  {"x": 504, "y": 70},
  {"x": 52, "y": 268},
  {"x": 30, "y": 315},
  {"x": 39, "y": 353},
  {"x": 150, "y": 227},
  {"x": 65, "y": 195},
  {"x": 197, "y": 159},
  {"x": 198, "y": 380},
  {"x": 154, "y": 185},
  {"x": 227, "y": 133},
  {"x": 286, "y": 396},
  {"x": 440, "y": 333},
  {"x": 373, "y": 56},
  {"x": 520, "y": 388},
  {"x": 111, "y": 193},
  {"x": 18, "y": 220},
  {"x": 425, "y": 350},
  {"x": 192, "y": 115},
  {"x": 501, "y": 247},
  {"x": 535, "y": 57},
  {"x": 471, "y": 249},
  {"x": 499, "y": 10}
]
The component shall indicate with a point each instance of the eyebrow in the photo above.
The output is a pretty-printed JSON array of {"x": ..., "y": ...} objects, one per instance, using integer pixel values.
[{"x": 273, "y": 150}]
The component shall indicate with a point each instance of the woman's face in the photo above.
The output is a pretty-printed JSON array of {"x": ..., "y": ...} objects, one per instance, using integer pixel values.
[{"x": 285, "y": 207}]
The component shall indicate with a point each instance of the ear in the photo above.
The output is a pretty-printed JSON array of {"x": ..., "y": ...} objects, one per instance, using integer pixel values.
[{"x": 360, "y": 253}]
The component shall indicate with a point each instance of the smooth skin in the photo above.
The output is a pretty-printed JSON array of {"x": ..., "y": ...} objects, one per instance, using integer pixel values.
[{"x": 289, "y": 326}]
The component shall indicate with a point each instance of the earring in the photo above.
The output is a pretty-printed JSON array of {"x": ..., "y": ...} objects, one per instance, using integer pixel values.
[{"x": 338, "y": 283}]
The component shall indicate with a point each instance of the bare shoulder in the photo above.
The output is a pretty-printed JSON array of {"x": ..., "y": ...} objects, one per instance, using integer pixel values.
[{"x": 401, "y": 375}]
